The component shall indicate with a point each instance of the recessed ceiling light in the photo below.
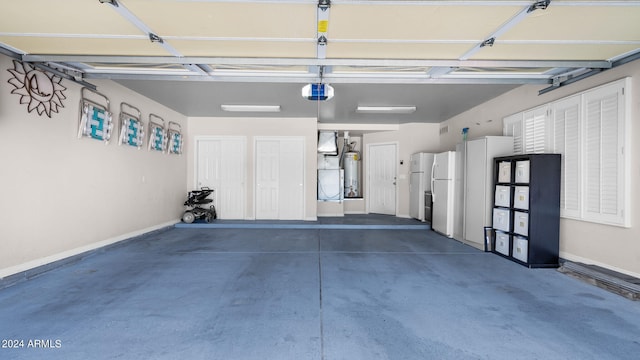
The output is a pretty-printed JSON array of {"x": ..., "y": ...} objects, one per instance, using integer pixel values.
[
  {"x": 251, "y": 108},
  {"x": 387, "y": 109}
]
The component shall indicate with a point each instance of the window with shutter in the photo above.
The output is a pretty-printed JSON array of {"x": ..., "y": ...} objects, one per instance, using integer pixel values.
[{"x": 589, "y": 130}]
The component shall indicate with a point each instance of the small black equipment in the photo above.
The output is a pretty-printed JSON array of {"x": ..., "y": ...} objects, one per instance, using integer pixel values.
[{"x": 194, "y": 211}]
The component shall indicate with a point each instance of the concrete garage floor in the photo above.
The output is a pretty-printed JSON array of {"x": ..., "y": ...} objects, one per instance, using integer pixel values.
[{"x": 202, "y": 293}]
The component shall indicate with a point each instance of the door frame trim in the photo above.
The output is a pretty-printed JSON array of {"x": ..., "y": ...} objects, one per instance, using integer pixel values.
[{"x": 367, "y": 164}]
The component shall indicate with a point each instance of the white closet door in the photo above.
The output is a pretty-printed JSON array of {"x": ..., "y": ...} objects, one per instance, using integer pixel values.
[
  {"x": 221, "y": 164},
  {"x": 280, "y": 178},
  {"x": 291, "y": 200},
  {"x": 208, "y": 167},
  {"x": 231, "y": 195},
  {"x": 267, "y": 179}
]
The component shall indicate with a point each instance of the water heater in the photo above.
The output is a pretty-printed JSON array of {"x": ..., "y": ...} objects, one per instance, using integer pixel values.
[{"x": 352, "y": 181}]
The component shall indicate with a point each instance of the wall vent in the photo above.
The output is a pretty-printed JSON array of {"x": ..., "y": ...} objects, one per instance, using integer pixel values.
[{"x": 444, "y": 129}]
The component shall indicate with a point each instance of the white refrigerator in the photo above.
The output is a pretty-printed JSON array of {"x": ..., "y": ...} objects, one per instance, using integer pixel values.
[
  {"x": 419, "y": 183},
  {"x": 442, "y": 187}
]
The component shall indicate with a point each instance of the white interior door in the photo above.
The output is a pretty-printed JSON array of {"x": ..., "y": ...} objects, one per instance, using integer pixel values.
[
  {"x": 221, "y": 165},
  {"x": 280, "y": 178},
  {"x": 291, "y": 200},
  {"x": 231, "y": 196},
  {"x": 382, "y": 178},
  {"x": 267, "y": 179}
]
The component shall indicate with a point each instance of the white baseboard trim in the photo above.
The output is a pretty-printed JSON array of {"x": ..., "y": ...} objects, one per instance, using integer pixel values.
[
  {"x": 13, "y": 270},
  {"x": 586, "y": 261}
]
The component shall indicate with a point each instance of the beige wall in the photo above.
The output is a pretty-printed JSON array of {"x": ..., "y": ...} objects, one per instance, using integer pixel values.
[
  {"x": 252, "y": 127},
  {"x": 610, "y": 246},
  {"x": 60, "y": 195},
  {"x": 411, "y": 138}
]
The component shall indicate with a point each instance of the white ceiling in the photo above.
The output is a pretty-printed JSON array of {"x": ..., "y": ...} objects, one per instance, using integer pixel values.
[{"x": 443, "y": 57}]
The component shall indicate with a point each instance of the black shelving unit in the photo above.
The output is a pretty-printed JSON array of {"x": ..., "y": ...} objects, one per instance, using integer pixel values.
[{"x": 526, "y": 212}]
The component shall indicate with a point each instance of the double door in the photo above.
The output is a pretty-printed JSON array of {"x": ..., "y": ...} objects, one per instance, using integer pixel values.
[
  {"x": 280, "y": 178},
  {"x": 221, "y": 165}
]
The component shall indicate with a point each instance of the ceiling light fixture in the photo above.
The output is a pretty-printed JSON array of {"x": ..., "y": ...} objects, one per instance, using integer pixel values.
[
  {"x": 251, "y": 108},
  {"x": 386, "y": 109}
]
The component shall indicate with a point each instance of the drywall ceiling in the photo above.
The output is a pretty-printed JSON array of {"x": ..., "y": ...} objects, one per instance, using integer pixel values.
[
  {"x": 443, "y": 57},
  {"x": 434, "y": 103}
]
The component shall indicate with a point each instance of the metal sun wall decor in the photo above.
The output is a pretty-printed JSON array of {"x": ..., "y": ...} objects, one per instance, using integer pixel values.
[{"x": 40, "y": 90}]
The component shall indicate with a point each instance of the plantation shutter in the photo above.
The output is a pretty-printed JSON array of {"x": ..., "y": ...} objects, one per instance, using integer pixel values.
[
  {"x": 566, "y": 141},
  {"x": 513, "y": 127},
  {"x": 603, "y": 192},
  {"x": 535, "y": 130}
]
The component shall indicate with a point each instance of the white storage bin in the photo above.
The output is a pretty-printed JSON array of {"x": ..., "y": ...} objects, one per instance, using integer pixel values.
[
  {"x": 521, "y": 223},
  {"x": 522, "y": 171},
  {"x": 504, "y": 172},
  {"x": 502, "y": 243},
  {"x": 521, "y": 248},
  {"x": 503, "y": 195},
  {"x": 521, "y": 197},
  {"x": 501, "y": 219}
]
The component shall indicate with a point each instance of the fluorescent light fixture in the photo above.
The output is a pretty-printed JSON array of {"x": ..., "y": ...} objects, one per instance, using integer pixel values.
[
  {"x": 387, "y": 109},
  {"x": 251, "y": 108}
]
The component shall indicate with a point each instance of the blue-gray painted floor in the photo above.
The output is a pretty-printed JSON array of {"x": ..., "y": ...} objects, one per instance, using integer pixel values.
[{"x": 310, "y": 294}]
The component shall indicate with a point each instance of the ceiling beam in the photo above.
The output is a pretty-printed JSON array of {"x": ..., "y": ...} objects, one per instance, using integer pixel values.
[
  {"x": 312, "y": 78},
  {"x": 314, "y": 62}
]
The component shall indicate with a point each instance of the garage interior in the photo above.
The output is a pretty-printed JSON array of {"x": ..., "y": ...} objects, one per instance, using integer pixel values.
[{"x": 92, "y": 260}]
